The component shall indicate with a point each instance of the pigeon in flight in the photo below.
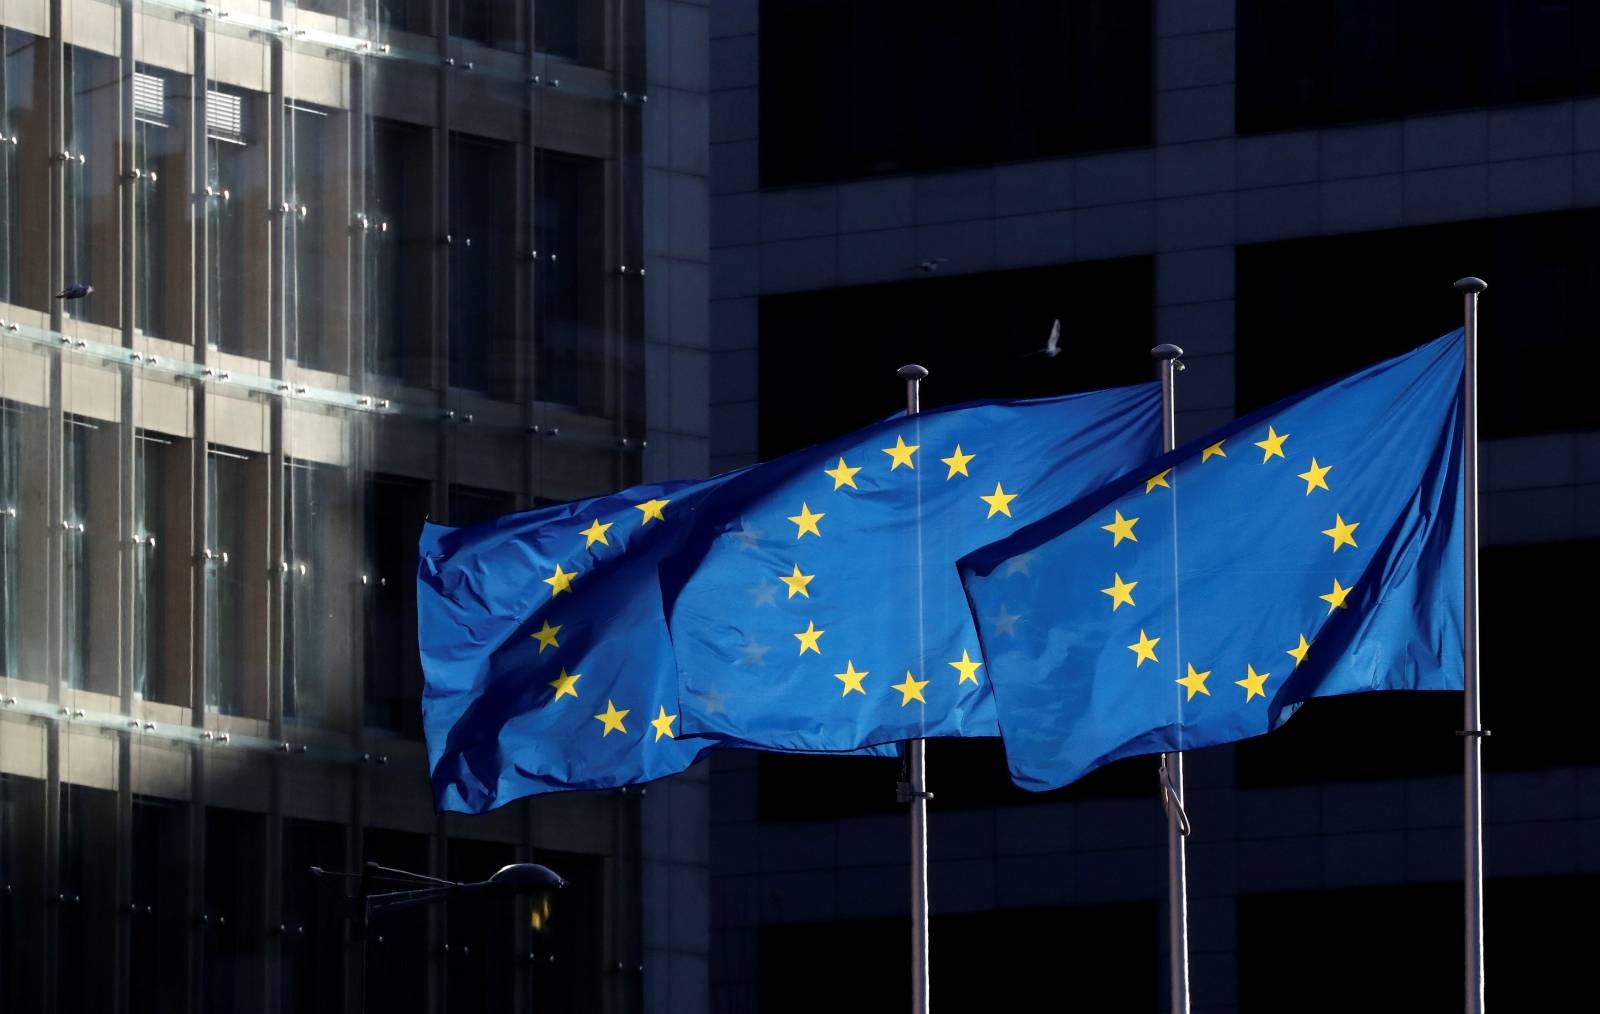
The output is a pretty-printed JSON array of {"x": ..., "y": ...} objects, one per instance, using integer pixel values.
[
  {"x": 928, "y": 267},
  {"x": 1052, "y": 345},
  {"x": 77, "y": 291}
]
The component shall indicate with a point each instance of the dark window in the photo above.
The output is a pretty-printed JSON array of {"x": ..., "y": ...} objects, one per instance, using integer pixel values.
[
  {"x": 24, "y": 430},
  {"x": 1303, "y": 65},
  {"x": 397, "y": 942},
  {"x": 87, "y": 899},
  {"x": 91, "y": 464},
  {"x": 992, "y": 960},
  {"x": 235, "y": 595},
  {"x": 568, "y": 935},
  {"x": 472, "y": 505},
  {"x": 1542, "y": 310},
  {"x": 314, "y": 544},
  {"x": 489, "y": 22},
  {"x": 396, "y": 509},
  {"x": 234, "y": 955},
  {"x": 972, "y": 332},
  {"x": 479, "y": 932},
  {"x": 159, "y": 128},
  {"x": 406, "y": 15},
  {"x": 570, "y": 290},
  {"x": 159, "y": 917},
  {"x": 894, "y": 86},
  {"x": 312, "y": 970},
  {"x": 22, "y": 903},
  {"x": 571, "y": 29},
  {"x": 1409, "y": 734},
  {"x": 93, "y": 221},
  {"x": 313, "y": 229},
  {"x": 1400, "y": 948},
  {"x": 400, "y": 244},
  {"x": 483, "y": 275}
]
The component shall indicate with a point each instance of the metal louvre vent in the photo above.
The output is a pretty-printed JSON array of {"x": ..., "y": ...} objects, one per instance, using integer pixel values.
[
  {"x": 149, "y": 99},
  {"x": 225, "y": 117}
]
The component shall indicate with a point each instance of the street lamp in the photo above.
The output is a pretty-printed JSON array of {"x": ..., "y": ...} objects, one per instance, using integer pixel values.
[{"x": 517, "y": 878}]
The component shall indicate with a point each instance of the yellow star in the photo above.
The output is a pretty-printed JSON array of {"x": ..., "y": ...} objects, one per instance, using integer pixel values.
[
  {"x": 613, "y": 719},
  {"x": 596, "y": 533},
  {"x": 652, "y": 510},
  {"x": 662, "y": 723},
  {"x": 1254, "y": 684},
  {"x": 1159, "y": 479},
  {"x": 560, "y": 581},
  {"x": 851, "y": 679},
  {"x": 1121, "y": 591},
  {"x": 1315, "y": 477},
  {"x": 565, "y": 685},
  {"x": 901, "y": 453},
  {"x": 957, "y": 463},
  {"x": 967, "y": 668},
  {"x": 1121, "y": 528},
  {"x": 1272, "y": 447},
  {"x": 1214, "y": 451},
  {"x": 999, "y": 502},
  {"x": 911, "y": 689},
  {"x": 1195, "y": 682},
  {"x": 1145, "y": 649},
  {"x": 808, "y": 638},
  {"x": 797, "y": 582},
  {"x": 1335, "y": 599},
  {"x": 1341, "y": 533},
  {"x": 1299, "y": 652},
  {"x": 807, "y": 522},
  {"x": 844, "y": 475},
  {"x": 546, "y": 637}
]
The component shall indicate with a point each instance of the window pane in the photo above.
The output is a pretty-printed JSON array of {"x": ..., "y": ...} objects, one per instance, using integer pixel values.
[
  {"x": 571, "y": 287},
  {"x": 24, "y": 539},
  {"x": 160, "y": 563},
  {"x": 22, "y": 901},
  {"x": 87, "y": 926},
  {"x": 316, "y": 234},
  {"x": 235, "y": 583},
  {"x": 396, "y": 509},
  {"x": 91, "y": 467},
  {"x": 315, "y": 625},
  {"x": 571, "y": 29},
  {"x": 483, "y": 277},
  {"x": 400, "y": 241},
  {"x": 312, "y": 969},
  {"x": 24, "y": 171},
  {"x": 236, "y": 284},
  {"x": 92, "y": 192},
  {"x": 159, "y": 916}
]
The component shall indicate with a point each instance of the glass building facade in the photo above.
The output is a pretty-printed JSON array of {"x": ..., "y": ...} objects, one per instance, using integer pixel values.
[{"x": 355, "y": 263}]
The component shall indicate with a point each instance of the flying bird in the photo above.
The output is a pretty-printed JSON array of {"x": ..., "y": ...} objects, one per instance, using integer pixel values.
[
  {"x": 1052, "y": 345},
  {"x": 77, "y": 291},
  {"x": 928, "y": 267}
]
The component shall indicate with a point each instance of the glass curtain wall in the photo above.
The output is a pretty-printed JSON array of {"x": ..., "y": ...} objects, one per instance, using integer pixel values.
[{"x": 327, "y": 270}]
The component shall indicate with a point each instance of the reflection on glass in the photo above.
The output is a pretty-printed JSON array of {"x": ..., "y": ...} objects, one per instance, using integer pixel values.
[
  {"x": 10, "y": 561},
  {"x": 158, "y": 158},
  {"x": 161, "y": 491},
  {"x": 89, "y": 556},
  {"x": 227, "y": 477},
  {"x": 483, "y": 289},
  {"x": 23, "y": 540},
  {"x": 23, "y": 177},
  {"x": 93, "y": 223},
  {"x": 571, "y": 279},
  {"x": 236, "y": 259},
  {"x": 313, "y": 177},
  {"x": 314, "y": 544}
]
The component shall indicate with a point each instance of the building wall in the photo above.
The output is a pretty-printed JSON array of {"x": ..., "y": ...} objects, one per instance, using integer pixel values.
[
  {"x": 1197, "y": 204},
  {"x": 355, "y": 265}
]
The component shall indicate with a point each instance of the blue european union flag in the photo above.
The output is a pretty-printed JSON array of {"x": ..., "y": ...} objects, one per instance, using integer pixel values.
[
  {"x": 545, "y": 652},
  {"x": 817, "y": 605},
  {"x": 1308, "y": 550}
]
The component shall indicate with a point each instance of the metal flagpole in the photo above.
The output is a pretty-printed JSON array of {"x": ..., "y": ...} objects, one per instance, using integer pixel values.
[
  {"x": 918, "y": 796},
  {"x": 1472, "y": 735},
  {"x": 1168, "y": 364}
]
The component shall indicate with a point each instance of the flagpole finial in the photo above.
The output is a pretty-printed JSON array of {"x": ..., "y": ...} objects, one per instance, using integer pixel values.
[
  {"x": 1471, "y": 284},
  {"x": 911, "y": 371},
  {"x": 1166, "y": 352}
]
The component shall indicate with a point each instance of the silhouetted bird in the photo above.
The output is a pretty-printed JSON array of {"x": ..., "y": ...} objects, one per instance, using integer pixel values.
[
  {"x": 928, "y": 267},
  {"x": 1052, "y": 346},
  {"x": 75, "y": 291}
]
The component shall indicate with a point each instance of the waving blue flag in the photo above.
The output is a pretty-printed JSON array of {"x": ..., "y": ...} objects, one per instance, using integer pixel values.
[
  {"x": 1308, "y": 550},
  {"x": 545, "y": 652},
  {"x": 817, "y": 606}
]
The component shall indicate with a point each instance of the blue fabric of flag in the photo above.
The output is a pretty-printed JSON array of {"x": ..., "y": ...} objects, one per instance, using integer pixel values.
[
  {"x": 545, "y": 652},
  {"x": 816, "y": 605},
  {"x": 1311, "y": 549}
]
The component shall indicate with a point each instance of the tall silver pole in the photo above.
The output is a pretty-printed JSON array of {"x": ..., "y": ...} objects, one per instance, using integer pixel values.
[
  {"x": 917, "y": 758},
  {"x": 1473, "y": 733},
  {"x": 1168, "y": 364}
]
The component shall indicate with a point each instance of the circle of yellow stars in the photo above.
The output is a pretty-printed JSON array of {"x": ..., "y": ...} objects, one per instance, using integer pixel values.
[{"x": 1120, "y": 592}]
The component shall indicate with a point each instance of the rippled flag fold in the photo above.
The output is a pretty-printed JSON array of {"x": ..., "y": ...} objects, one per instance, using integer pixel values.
[
  {"x": 1311, "y": 549},
  {"x": 545, "y": 654},
  {"x": 816, "y": 605}
]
